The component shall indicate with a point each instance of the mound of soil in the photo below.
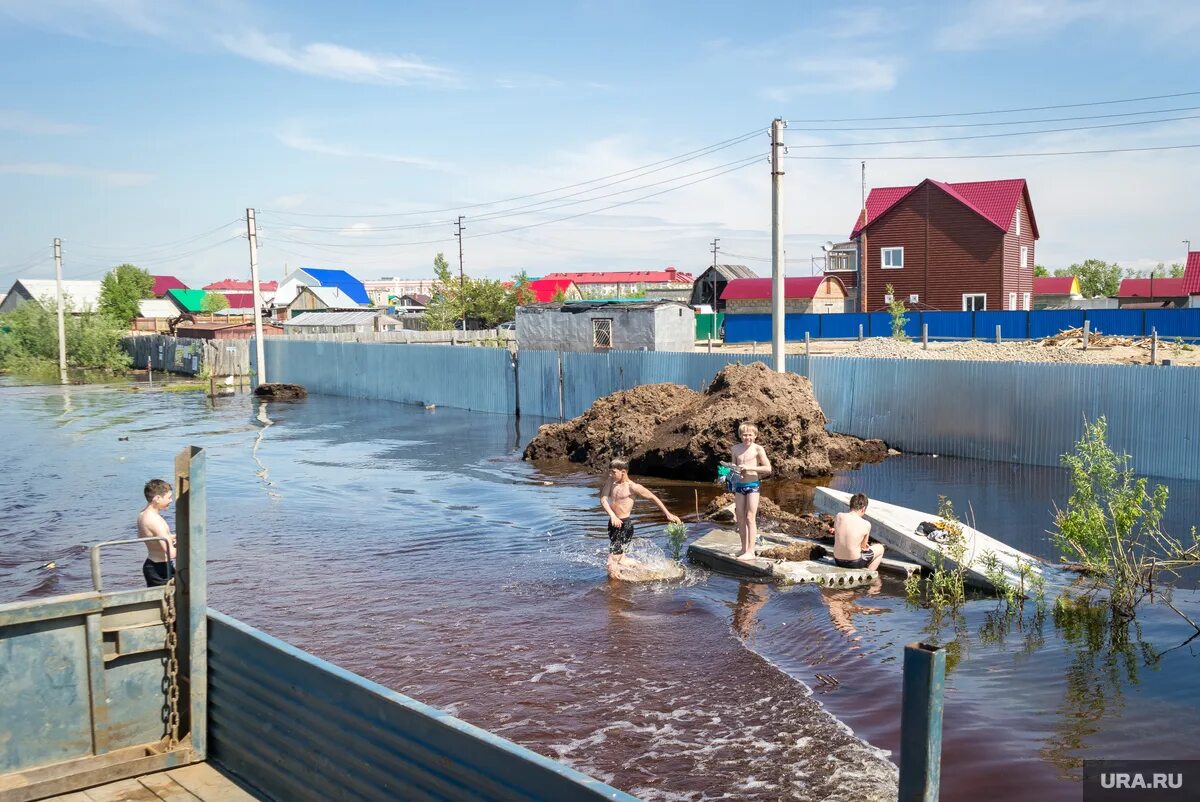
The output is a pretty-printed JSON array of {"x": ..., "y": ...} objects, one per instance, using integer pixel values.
[
  {"x": 773, "y": 518},
  {"x": 280, "y": 391},
  {"x": 670, "y": 430}
]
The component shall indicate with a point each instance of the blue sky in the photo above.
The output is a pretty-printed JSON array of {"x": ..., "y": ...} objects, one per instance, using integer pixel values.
[{"x": 140, "y": 131}]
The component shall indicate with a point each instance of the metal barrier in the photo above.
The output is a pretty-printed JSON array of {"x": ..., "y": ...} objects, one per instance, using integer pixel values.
[{"x": 294, "y": 727}]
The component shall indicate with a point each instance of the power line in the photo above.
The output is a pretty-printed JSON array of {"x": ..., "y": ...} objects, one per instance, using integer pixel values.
[
  {"x": 162, "y": 246},
  {"x": 998, "y": 111},
  {"x": 1001, "y": 122},
  {"x": 994, "y": 155},
  {"x": 994, "y": 135},
  {"x": 679, "y": 159},
  {"x": 531, "y": 225}
]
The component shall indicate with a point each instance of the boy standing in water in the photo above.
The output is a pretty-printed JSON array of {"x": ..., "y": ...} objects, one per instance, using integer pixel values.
[
  {"x": 748, "y": 467},
  {"x": 160, "y": 565},
  {"x": 617, "y": 499}
]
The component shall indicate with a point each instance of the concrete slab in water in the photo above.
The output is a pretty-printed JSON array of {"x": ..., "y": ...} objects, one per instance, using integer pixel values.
[{"x": 719, "y": 548}]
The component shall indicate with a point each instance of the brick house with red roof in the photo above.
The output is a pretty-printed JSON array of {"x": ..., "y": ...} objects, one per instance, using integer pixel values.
[
  {"x": 952, "y": 247},
  {"x": 1191, "y": 278}
]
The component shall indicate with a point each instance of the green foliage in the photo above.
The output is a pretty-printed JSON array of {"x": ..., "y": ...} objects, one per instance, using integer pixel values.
[
  {"x": 945, "y": 584},
  {"x": 1177, "y": 270},
  {"x": 1097, "y": 278},
  {"x": 491, "y": 301},
  {"x": 676, "y": 537},
  {"x": 213, "y": 302},
  {"x": 29, "y": 340},
  {"x": 559, "y": 297},
  {"x": 120, "y": 291},
  {"x": 1040, "y": 271},
  {"x": 1112, "y": 524},
  {"x": 897, "y": 309}
]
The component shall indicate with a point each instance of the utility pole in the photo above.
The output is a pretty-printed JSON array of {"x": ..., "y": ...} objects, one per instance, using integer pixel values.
[
  {"x": 462, "y": 281},
  {"x": 716, "y": 246},
  {"x": 777, "y": 302},
  {"x": 62, "y": 328},
  {"x": 862, "y": 246},
  {"x": 259, "y": 351}
]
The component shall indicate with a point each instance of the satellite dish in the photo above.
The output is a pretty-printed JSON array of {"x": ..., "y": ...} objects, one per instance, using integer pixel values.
[{"x": 828, "y": 246}]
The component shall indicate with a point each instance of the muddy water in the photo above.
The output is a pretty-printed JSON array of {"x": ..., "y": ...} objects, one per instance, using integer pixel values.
[{"x": 415, "y": 548}]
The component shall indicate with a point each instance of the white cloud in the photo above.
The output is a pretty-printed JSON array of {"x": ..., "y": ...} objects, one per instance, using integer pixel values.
[
  {"x": 334, "y": 61},
  {"x": 982, "y": 24},
  {"x": 293, "y": 201},
  {"x": 836, "y": 74},
  {"x": 298, "y": 141},
  {"x": 58, "y": 170},
  {"x": 24, "y": 123}
]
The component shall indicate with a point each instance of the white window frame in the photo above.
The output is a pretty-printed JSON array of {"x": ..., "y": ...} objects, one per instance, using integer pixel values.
[
  {"x": 597, "y": 325},
  {"x": 967, "y": 295},
  {"x": 883, "y": 259},
  {"x": 1017, "y": 221},
  {"x": 1027, "y": 300},
  {"x": 1012, "y": 302},
  {"x": 1024, "y": 257}
]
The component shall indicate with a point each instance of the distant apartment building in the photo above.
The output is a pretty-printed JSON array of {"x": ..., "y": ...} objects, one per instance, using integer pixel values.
[
  {"x": 383, "y": 290},
  {"x": 617, "y": 284}
]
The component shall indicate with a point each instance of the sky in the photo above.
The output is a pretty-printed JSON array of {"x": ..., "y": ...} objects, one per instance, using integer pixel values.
[{"x": 588, "y": 135}]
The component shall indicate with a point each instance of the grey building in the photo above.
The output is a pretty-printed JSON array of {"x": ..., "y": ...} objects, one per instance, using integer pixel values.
[
  {"x": 607, "y": 326},
  {"x": 711, "y": 283},
  {"x": 343, "y": 322}
]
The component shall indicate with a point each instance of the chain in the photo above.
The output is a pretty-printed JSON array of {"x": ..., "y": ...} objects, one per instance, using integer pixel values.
[{"x": 168, "y": 607}]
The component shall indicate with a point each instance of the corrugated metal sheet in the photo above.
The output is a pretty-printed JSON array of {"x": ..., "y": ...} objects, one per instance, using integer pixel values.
[
  {"x": 294, "y": 727},
  {"x": 480, "y": 379},
  {"x": 331, "y": 318},
  {"x": 1052, "y": 321},
  {"x": 1173, "y": 322},
  {"x": 1125, "y": 322},
  {"x": 1013, "y": 325},
  {"x": 949, "y": 325}
]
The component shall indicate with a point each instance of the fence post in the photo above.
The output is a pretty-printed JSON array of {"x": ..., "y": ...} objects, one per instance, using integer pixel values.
[
  {"x": 860, "y": 332},
  {"x": 807, "y": 344},
  {"x": 998, "y": 334},
  {"x": 560, "y": 387},
  {"x": 925, "y": 336},
  {"x": 921, "y": 722},
  {"x": 753, "y": 346},
  {"x": 1087, "y": 333},
  {"x": 1153, "y": 345},
  {"x": 150, "y": 369}
]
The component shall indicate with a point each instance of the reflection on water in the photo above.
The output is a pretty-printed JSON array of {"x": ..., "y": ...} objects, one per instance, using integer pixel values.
[{"x": 415, "y": 548}]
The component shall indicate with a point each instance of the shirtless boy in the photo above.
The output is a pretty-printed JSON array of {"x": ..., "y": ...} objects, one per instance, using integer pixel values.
[
  {"x": 617, "y": 499},
  {"x": 160, "y": 565},
  {"x": 748, "y": 467},
  {"x": 851, "y": 543}
]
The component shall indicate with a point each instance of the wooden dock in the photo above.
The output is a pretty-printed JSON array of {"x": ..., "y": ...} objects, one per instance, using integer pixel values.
[{"x": 199, "y": 782}]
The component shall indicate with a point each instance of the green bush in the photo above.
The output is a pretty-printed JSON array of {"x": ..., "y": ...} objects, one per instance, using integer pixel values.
[{"x": 29, "y": 340}]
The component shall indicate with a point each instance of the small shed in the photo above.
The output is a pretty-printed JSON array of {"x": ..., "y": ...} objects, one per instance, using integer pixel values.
[
  {"x": 607, "y": 326},
  {"x": 807, "y": 294},
  {"x": 1056, "y": 292},
  {"x": 711, "y": 283},
  {"x": 358, "y": 321},
  {"x": 203, "y": 330}
]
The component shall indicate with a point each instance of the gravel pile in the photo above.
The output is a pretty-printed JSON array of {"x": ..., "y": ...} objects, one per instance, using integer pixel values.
[{"x": 977, "y": 351}]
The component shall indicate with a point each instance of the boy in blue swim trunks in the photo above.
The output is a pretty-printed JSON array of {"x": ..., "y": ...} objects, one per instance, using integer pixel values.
[{"x": 746, "y": 469}]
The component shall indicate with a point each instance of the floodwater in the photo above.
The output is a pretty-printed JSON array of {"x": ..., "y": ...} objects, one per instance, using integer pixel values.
[{"x": 415, "y": 548}]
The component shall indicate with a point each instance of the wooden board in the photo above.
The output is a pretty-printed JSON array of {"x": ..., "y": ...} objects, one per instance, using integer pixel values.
[
  {"x": 199, "y": 782},
  {"x": 896, "y": 528},
  {"x": 719, "y": 549}
]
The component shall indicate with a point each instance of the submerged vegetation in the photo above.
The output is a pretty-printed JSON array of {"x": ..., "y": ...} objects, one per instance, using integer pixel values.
[{"x": 29, "y": 340}]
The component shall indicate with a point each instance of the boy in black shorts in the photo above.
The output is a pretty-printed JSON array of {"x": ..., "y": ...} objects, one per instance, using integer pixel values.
[{"x": 617, "y": 499}]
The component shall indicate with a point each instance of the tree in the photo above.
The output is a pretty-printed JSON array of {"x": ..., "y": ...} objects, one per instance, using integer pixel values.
[
  {"x": 29, "y": 340},
  {"x": 1097, "y": 278},
  {"x": 213, "y": 302},
  {"x": 120, "y": 291},
  {"x": 490, "y": 301},
  {"x": 522, "y": 295},
  {"x": 445, "y": 305},
  {"x": 897, "y": 309},
  {"x": 1040, "y": 271},
  {"x": 1177, "y": 270},
  {"x": 559, "y": 297}
]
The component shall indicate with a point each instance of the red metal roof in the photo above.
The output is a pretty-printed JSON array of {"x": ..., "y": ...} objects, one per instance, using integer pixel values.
[
  {"x": 240, "y": 300},
  {"x": 164, "y": 283},
  {"x": 758, "y": 288},
  {"x": 625, "y": 277},
  {"x": 1191, "y": 274},
  {"x": 995, "y": 201},
  {"x": 1142, "y": 287},
  {"x": 544, "y": 289},
  {"x": 233, "y": 285},
  {"x": 1053, "y": 285}
]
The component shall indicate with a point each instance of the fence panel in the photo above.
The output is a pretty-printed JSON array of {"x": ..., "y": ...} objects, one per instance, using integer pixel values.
[
  {"x": 1048, "y": 322},
  {"x": 1123, "y": 322},
  {"x": 747, "y": 328},
  {"x": 949, "y": 325},
  {"x": 1013, "y": 325},
  {"x": 1173, "y": 323},
  {"x": 843, "y": 326}
]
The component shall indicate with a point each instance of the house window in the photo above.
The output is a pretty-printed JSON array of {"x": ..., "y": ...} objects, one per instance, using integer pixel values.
[
  {"x": 1017, "y": 222},
  {"x": 1024, "y": 257},
  {"x": 891, "y": 258},
  {"x": 1012, "y": 302},
  {"x": 602, "y": 332},
  {"x": 1027, "y": 299},
  {"x": 974, "y": 302}
]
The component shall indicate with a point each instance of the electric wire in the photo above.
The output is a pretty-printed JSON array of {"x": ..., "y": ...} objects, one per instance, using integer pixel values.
[
  {"x": 997, "y": 155},
  {"x": 1000, "y": 122}
]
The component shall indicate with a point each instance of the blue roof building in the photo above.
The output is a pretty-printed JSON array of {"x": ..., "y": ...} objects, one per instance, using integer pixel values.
[{"x": 349, "y": 286}]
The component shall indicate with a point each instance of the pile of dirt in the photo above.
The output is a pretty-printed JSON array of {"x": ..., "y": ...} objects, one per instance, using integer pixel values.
[
  {"x": 795, "y": 552},
  {"x": 281, "y": 392},
  {"x": 671, "y": 430}
]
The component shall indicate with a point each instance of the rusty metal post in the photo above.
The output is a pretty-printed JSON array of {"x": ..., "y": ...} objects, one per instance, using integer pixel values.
[{"x": 921, "y": 722}]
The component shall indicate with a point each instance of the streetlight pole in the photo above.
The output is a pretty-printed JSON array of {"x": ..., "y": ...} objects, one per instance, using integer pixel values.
[{"x": 777, "y": 267}]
